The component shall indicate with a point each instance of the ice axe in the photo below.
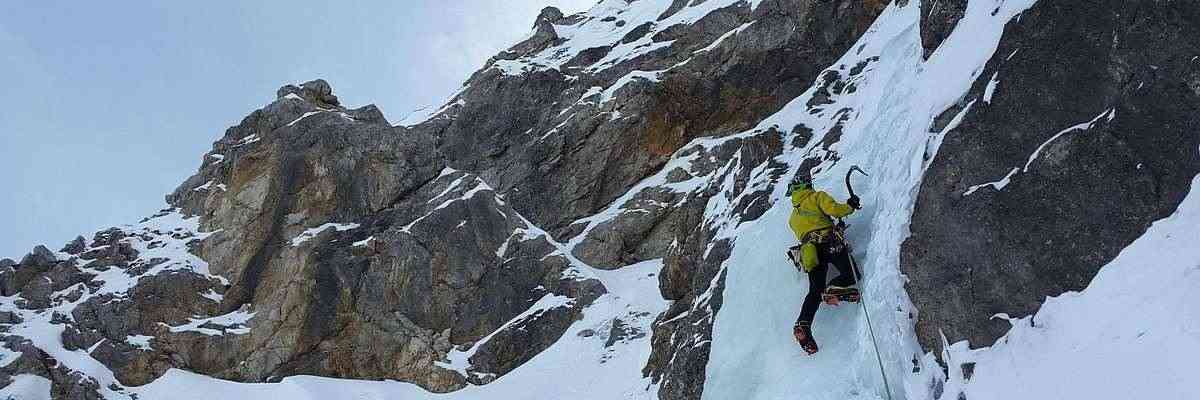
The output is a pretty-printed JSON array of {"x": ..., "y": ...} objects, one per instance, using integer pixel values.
[
  {"x": 848, "y": 173},
  {"x": 841, "y": 223}
]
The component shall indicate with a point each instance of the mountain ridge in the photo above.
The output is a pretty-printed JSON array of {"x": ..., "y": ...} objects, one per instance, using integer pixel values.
[{"x": 595, "y": 196}]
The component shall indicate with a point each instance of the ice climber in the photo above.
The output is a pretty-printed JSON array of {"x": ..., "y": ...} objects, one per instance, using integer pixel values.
[{"x": 821, "y": 243}]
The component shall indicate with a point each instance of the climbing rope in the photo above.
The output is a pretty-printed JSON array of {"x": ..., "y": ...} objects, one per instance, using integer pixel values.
[
  {"x": 862, "y": 299},
  {"x": 870, "y": 329}
]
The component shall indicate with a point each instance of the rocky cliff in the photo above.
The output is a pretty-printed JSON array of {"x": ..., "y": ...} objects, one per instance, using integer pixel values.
[
  {"x": 587, "y": 194},
  {"x": 1066, "y": 150}
]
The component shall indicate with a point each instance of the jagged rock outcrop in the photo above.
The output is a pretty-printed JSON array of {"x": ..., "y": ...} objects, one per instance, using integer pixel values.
[
  {"x": 1078, "y": 135},
  {"x": 326, "y": 242},
  {"x": 938, "y": 19},
  {"x": 543, "y": 35},
  {"x": 565, "y": 131},
  {"x": 424, "y": 276}
]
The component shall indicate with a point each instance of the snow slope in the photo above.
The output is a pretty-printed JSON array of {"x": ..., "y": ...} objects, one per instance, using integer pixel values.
[{"x": 27, "y": 386}]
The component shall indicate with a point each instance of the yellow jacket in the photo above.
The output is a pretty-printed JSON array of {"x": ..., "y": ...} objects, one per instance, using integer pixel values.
[{"x": 812, "y": 210}]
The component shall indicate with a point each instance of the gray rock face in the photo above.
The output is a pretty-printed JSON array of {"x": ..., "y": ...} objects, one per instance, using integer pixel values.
[
  {"x": 693, "y": 276},
  {"x": 938, "y": 19},
  {"x": 1086, "y": 194},
  {"x": 559, "y": 156},
  {"x": 442, "y": 273},
  {"x": 426, "y": 260},
  {"x": 560, "y": 151}
]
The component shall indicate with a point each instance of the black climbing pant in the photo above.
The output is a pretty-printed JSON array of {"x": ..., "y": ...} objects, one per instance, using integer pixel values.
[{"x": 830, "y": 253}]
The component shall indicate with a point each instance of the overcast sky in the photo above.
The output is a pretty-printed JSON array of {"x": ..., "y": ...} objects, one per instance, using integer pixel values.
[{"x": 106, "y": 106}]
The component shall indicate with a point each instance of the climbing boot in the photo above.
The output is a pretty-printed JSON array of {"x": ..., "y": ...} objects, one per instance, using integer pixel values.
[
  {"x": 834, "y": 294},
  {"x": 803, "y": 332}
]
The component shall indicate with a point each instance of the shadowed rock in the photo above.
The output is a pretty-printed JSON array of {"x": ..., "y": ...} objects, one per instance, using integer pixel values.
[{"x": 1085, "y": 195}]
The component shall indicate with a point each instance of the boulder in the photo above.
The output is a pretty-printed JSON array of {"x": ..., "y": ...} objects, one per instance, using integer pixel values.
[
  {"x": 319, "y": 90},
  {"x": 76, "y": 246},
  {"x": 40, "y": 256}
]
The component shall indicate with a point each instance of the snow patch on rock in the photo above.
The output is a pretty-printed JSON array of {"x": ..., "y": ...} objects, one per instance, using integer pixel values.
[
  {"x": 310, "y": 233},
  {"x": 236, "y": 322}
]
